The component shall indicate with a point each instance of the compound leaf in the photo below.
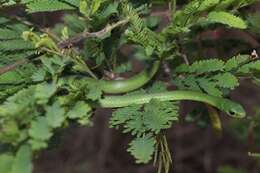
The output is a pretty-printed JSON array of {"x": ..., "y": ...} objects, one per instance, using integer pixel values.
[
  {"x": 55, "y": 115},
  {"x": 40, "y": 129},
  {"x": 227, "y": 19},
  {"x": 22, "y": 162},
  {"x": 159, "y": 115},
  {"x": 6, "y": 162},
  {"x": 142, "y": 148}
]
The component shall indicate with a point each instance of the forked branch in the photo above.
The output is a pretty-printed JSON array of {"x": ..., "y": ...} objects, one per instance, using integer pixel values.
[{"x": 67, "y": 44}]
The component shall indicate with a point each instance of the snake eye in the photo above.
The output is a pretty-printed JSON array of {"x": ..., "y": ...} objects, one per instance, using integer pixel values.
[{"x": 231, "y": 113}]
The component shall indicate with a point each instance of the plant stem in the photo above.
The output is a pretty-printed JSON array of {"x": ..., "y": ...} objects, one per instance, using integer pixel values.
[
  {"x": 10, "y": 67},
  {"x": 173, "y": 7},
  {"x": 68, "y": 43},
  {"x": 99, "y": 34}
]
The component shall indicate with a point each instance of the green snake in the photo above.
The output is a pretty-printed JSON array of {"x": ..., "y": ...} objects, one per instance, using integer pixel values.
[
  {"x": 231, "y": 108},
  {"x": 137, "y": 81},
  {"x": 121, "y": 86}
]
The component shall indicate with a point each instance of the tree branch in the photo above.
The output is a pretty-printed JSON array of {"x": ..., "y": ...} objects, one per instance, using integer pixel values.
[
  {"x": 99, "y": 34},
  {"x": 66, "y": 44},
  {"x": 19, "y": 62}
]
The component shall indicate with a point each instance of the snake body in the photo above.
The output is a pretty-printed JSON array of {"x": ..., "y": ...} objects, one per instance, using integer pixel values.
[
  {"x": 231, "y": 108},
  {"x": 137, "y": 81},
  {"x": 122, "y": 86}
]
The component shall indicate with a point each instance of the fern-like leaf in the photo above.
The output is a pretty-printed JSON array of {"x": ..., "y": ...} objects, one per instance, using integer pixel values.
[
  {"x": 34, "y": 6},
  {"x": 140, "y": 33},
  {"x": 201, "y": 66},
  {"x": 142, "y": 148},
  {"x": 22, "y": 162},
  {"x": 227, "y": 19},
  {"x": 55, "y": 115},
  {"x": 159, "y": 115},
  {"x": 226, "y": 80},
  {"x": 154, "y": 117},
  {"x": 123, "y": 115},
  {"x": 6, "y": 161}
]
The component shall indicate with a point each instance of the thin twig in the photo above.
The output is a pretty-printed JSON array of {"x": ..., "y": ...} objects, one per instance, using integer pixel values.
[
  {"x": 66, "y": 44},
  {"x": 99, "y": 34},
  {"x": 19, "y": 62},
  {"x": 182, "y": 54},
  {"x": 184, "y": 57},
  {"x": 173, "y": 8},
  {"x": 51, "y": 34},
  {"x": 12, "y": 66}
]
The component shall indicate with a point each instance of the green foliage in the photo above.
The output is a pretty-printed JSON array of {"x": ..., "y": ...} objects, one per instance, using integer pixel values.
[
  {"x": 139, "y": 33},
  {"x": 72, "y": 23},
  {"x": 155, "y": 117},
  {"x": 40, "y": 130},
  {"x": 88, "y": 7},
  {"x": 215, "y": 76},
  {"x": 55, "y": 115},
  {"x": 13, "y": 48},
  {"x": 254, "y": 22},
  {"x": 152, "y": 119},
  {"x": 201, "y": 67},
  {"x": 6, "y": 161},
  {"x": 158, "y": 116},
  {"x": 142, "y": 149},
  {"x": 11, "y": 39},
  {"x": 26, "y": 103},
  {"x": 55, "y": 83},
  {"x": 21, "y": 162},
  {"x": 193, "y": 14},
  {"x": 80, "y": 111},
  {"x": 227, "y": 18},
  {"x": 46, "y": 5}
]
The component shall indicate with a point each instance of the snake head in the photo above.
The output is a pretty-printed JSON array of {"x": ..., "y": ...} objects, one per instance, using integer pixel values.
[{"x": 233, "y": 109}]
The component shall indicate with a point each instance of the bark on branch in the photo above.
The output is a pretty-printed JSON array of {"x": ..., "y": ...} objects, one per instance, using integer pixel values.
[{"x": 66, "y": 43}]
